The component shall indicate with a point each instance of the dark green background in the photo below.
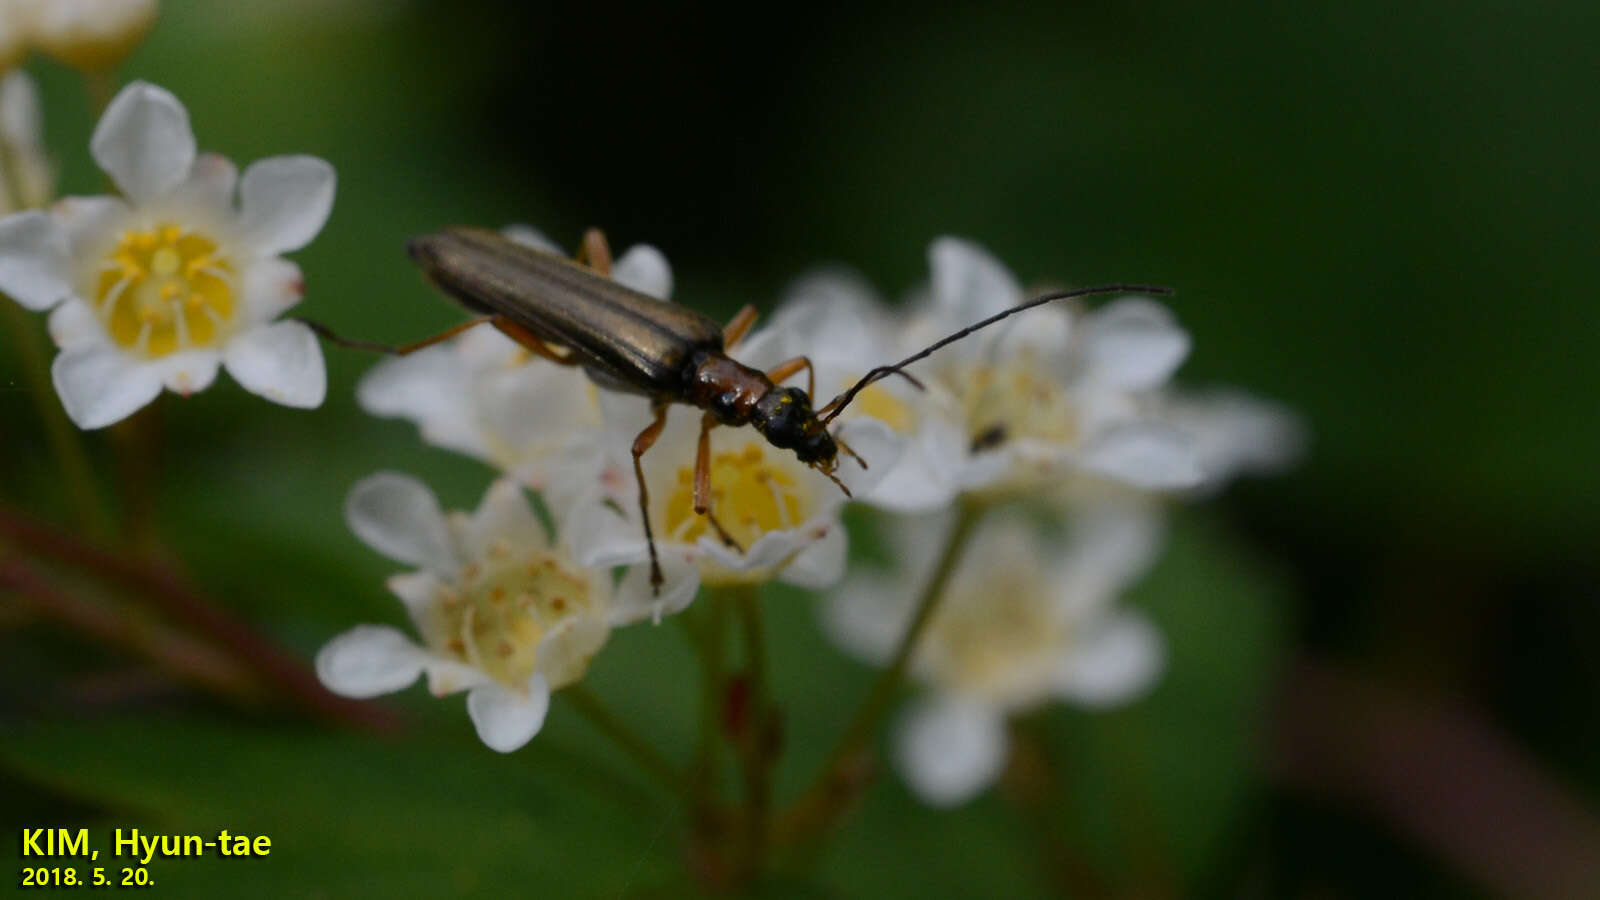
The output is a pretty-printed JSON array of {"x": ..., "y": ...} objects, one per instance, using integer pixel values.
[{"x": 1381, "y": 217}]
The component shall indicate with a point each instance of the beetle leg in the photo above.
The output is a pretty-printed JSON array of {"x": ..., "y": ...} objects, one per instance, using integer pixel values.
[
  {"x": 739, "y": 325},
  {"x": 533, "y": 343},
  {"x": 784, "y": 369},
  {"x": 402, "y": 350},
  {"x": 702, "y": 482},
  {"x": 594, "y": 252},
  {"x": 646, "y": 440}
]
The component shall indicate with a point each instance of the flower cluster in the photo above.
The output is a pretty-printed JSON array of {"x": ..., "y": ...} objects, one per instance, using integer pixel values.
[
  {"x": 180, "y": 275},
  {"x": 1064, "y": 414}
]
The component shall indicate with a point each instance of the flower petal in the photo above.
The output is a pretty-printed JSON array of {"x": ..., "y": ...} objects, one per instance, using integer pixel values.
[
  {"x": 281, "y": 362},
  {"x": 33, "y": 260},
  {"x": 188, "y": 372},
  {"x": 507, "y": 719},
  {"x": 210, "y": 185},
  {"x": 968, "y": 282},
  {"x": 144, "y": 141},
  {"x": 74, "y": 322},
  {"x": 398, "y": 516},
  {"x": 271, "y": 286},
  {"x": 503, "y": 515},
  {"x": 369, "y": 660},
  {"x": 99, "y": 385},
  {"x": 948, "y": 749},
  {"x": 645, "y": 269},
  {"x": 86, "y": 220},
  {"x": 529, "y": 236},
  {"x": 1113, "y": 662},
  {"x": 1134, "y": 344},
  {"x": 867, "y": 615},
  {"x": 284, "y": 201},
  {"x": 636, "y": 601},
  {"x": 1145, "y": 455},
  {"x": 821, "y": 563},
  {"x": 427, "y": 388}
]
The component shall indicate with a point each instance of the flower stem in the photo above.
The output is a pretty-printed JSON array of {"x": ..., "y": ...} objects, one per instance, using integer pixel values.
[
  {"x": 845, "y": 772},
  {"x": 757, "y": 733},
  {"x": 646, "y": 755}
]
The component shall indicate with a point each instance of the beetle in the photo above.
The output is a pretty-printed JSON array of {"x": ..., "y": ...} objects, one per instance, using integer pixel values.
[{"x": 569, "y": 311}]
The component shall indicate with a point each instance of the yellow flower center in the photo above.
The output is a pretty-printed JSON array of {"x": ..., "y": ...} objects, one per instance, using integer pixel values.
[
  {"x": 164, "y": 289},
  {"x": 998, "y": 638},
  {"x": 752, "y": 493},
  {"x": 497, "y": 617},
  {"x": 1008, "y": 402},
  {"x": 879, "y": 403}
]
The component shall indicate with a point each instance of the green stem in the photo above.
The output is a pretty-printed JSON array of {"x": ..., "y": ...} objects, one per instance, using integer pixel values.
[
  {"x": 758, "y": 738},
  {"x": 645, "y": 754},
  {"x": 842, "y": 776}
]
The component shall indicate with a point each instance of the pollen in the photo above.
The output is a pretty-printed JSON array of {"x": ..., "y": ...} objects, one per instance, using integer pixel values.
[
  {"x": 164, "y": 289},
  {"x": 514, "y": 613},
  {"x": 753, "y": 492},
  {"x": 996, "y": 637}
]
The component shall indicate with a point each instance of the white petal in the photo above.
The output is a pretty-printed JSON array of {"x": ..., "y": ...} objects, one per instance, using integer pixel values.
[
  {"x": 1145, "y": 455},
  {"x": 600, "y": 537},
  {"x": 398, "y": 516},
  {"x": 867, "y": 615},
  {"x": 87, "y": 220},
  {"x": 637, "y": 601},
  {"x": 189, "y": 371},
  {"x": 281, "y": 362},
  {"x": 99, "y": 385},
  {"x": 1236, "y": 433},
  {"x": 821, "y": 563},
  {"x": 1108, "y": 548},
  {"x": 427, "y": 388},
  {"x": 1134, "y": 344},
  {"x": 417, "y": 590},
  {"x": 210, "y": 185},
  {"x": 369, "y": 660},
  {"x": 144, "y": 141},
  {"x": 1113, "y": 662},
  {"x": 923, "y": 479},
  {"x": 20, "y": 122},
  {"x": 33, "y": 260},
  {"x": 503, "y": 515},
  {"x": 529, "y": 236},
  {"x": 949, "y": 749},
  {"x": 74, "y": 322},
  {"x": 644, "y": 269},
  {"x": 507, "y": 719},
  {"x": 284, "y": 201},
  {"x": 270, "y": 287},
  {"x": 968, "y": 282},
  {"x": 874, "y": 442}
]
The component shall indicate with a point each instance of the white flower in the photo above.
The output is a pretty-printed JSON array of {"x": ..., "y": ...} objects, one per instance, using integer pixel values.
[
  {"x": 1023, "y": 619},
  {"x": 1049, "y": 392},
  {"x": 1233, "y": 433},
  {"x": 483, "y": 395},
  {"x": 31, "y": 176},
  {"x": 833, "y": 318},
  {"x": 502, "y": 613},
  {"x": 161, "y": 288},
  {"x": 88, "y": 34},
  {"x": 781, "y": 513}
]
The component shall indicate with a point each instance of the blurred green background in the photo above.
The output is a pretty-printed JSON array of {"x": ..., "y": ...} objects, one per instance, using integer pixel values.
[{"x": 1383, "y": 217}]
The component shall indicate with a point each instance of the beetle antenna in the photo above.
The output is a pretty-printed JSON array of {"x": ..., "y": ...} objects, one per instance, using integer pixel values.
[
  {"x": 836, "y": 405},
  {"x": 328, "y": 335}
]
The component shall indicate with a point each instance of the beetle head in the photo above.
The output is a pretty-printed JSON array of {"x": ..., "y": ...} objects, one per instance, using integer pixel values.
[{"x": 785, "y": 417}]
